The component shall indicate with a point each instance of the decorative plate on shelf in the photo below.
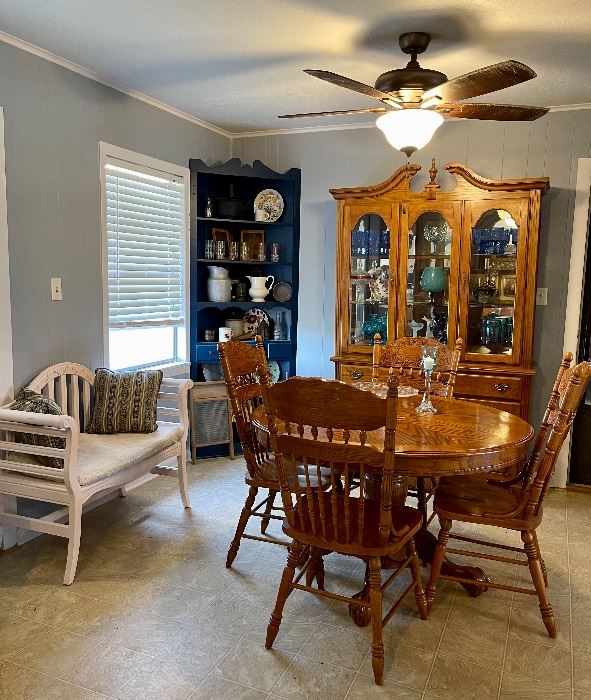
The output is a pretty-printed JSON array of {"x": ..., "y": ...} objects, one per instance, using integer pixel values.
[
  {"x": 252, "y": 318},
  {"x": 281, "y": 291},
  {"x": 268, "y": 206},
  {"x": 275, "y": 371}
]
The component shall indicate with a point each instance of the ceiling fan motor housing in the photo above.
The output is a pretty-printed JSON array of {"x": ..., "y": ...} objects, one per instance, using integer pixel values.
[
  {"x": 410, "y": 78},
  {"x": 413, "y": 77}
]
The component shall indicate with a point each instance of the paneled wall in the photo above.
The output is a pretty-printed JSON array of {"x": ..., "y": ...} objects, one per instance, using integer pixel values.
[
  {"x": 54, "y": 120},
  {"x": 550, "y": 146}
]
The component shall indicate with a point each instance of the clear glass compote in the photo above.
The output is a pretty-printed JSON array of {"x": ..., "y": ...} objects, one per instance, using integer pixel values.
[{"x": 429, "y": 362}]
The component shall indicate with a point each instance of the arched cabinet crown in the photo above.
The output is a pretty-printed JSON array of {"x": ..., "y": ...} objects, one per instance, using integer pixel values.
[{"x": 443, "y": 264}]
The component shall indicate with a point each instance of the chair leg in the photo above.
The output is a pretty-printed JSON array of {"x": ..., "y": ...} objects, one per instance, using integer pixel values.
[
  {"x": 422, "y": 499},
  {"x": 182, "y": 473},
  {"x": 535, "y": 569},
  {"x": 283, "y": 592},
  {"x": 242, "y": 522},
  {"x": 438, "y": 556},
  {"x": 542, "y": 562},
  {"x": 268, "y": 509},
  {"x": 415, "y": 569},
  {"x": 316, "y": 569},
  {"x": 75, "y": 527},
  {"x": 375, "y": 601}
]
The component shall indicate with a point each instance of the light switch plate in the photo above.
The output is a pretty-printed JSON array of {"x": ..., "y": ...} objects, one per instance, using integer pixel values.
[
  {"x": 56, "y": 289},
  {"x": 542, "y": 296}
]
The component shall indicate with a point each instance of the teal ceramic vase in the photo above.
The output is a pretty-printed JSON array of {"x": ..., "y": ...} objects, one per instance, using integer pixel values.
[{"x": 433, "y": 279}]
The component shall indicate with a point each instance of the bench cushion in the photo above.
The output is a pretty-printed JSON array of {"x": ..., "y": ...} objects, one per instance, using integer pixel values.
[{"x": 102, "y": 456}]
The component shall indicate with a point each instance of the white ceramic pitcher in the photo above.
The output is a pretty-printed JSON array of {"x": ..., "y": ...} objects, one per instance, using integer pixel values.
[
  {"x": 219, "y": 284},
  {"x": 258, "y": 287}
]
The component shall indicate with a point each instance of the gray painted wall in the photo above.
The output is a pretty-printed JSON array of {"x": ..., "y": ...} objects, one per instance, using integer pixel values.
[
  {"x": 550, "y": 146},
  {"x": 54, "y": 120}
]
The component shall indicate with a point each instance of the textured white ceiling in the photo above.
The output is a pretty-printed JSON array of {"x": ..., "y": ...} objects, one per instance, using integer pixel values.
[{"x": 239, "y": 64}]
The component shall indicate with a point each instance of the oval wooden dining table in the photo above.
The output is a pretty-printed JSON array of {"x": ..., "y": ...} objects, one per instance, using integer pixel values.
[{"x": 463, "y": 437}]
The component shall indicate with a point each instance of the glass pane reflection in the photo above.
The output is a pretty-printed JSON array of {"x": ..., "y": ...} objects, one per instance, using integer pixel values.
[
  {"x": 429, "y": 255},
  {"x": 491, "y": 303},
  {"x": 370, "y": 276}
]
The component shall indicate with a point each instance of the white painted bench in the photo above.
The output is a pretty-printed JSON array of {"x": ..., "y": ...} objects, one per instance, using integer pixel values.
[{"x": 94, "y": 465}]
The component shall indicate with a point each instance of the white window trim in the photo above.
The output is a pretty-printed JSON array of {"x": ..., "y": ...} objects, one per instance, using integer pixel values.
[
  {"x": 107, "y": 150},
  {"x": 6, "y": 368}
]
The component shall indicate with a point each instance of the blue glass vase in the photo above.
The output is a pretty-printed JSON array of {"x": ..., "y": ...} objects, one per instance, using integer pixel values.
[{"x": 376, "y": 324}]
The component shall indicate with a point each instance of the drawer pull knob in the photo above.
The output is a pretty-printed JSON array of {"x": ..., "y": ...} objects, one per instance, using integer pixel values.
[
  {"x": 356, "y": 374},
  {"x": 211, "y": 352},
  {"x": 500, "y": 386}
]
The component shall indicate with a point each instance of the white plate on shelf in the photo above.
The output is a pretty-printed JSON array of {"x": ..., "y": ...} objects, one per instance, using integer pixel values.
[
  {"x": 275, "y": 371},
  {"x": 268, "y": 206}
]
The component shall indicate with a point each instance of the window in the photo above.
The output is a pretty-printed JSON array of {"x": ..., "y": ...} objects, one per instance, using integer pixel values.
[{"x": 145, "y": 239}]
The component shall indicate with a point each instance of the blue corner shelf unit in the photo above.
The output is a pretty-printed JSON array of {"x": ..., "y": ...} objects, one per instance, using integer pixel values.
[{"x": 236, "y": 181}]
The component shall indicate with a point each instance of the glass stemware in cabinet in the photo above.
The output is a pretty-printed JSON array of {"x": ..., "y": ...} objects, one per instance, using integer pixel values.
[
  {"x": 429, "y": 259},
  {"x": 369, "y": 277},
  {"x": 493, "y": 275}
]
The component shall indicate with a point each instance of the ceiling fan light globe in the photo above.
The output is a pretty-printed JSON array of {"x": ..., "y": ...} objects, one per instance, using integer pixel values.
[{"x": 409, "y": 129}]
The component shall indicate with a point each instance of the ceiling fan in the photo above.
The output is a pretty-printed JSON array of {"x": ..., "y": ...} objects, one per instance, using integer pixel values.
[{"x": 415, "y": 98}]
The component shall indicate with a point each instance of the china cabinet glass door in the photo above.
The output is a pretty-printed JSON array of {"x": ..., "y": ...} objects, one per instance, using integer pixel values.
[
  {"x": 369, "y": 278},
  {"x": 429, "y": 272},
  {"x": 494, "y": 280}
]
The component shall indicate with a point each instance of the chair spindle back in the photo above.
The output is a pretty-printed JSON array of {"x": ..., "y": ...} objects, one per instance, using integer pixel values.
[
  {"x": 403, "y": 357},
  {"x": 239, "y": 365},
  {"x": 567, "y": 393},
  {"x": 316, "y": 424}
]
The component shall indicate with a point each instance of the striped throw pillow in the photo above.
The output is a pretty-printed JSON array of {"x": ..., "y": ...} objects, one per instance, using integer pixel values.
[
  {"x": 124, "y": 402},
  {"x": 27, "y": 400}
]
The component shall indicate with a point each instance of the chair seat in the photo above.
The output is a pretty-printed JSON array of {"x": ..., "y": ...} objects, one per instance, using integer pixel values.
[
  {"x": 472, "y": 498},
  {"x": 267, "y": 476},
  {"x": 352, "y": 540}
]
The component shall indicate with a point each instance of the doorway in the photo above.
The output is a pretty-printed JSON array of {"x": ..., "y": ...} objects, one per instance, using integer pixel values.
[
  {"x": 580, "y": 458},
  {"x": 577, "y": 331}
]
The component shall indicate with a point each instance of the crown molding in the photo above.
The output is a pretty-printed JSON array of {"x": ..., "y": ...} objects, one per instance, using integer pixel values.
[{"x": 87, "y": 73}]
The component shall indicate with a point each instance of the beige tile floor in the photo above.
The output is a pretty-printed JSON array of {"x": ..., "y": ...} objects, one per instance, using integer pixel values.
[{"x": 154, "y": 614}]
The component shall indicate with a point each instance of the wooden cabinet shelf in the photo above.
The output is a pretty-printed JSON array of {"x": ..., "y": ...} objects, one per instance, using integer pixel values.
[{"x": 435, "y": 242}]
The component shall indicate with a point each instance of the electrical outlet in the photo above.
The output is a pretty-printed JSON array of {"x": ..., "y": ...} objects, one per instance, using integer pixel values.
[
  {"x": 542, "y": 296},
  {"x": 56, "y": 289}
]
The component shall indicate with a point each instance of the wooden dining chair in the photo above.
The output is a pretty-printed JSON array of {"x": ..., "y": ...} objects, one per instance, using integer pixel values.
[
  {"x": 514, "y": 504},
  {"x": 239, "y": 365},
  {"x": 315, "y": 423},
  {"x": 404, "y": 358}
]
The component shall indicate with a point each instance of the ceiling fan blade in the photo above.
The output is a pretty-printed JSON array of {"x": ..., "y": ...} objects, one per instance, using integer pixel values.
[
  {"x": 482, "y": 81},
  {"x": 501, "y": 113},
  {"x": 354, "y": 85},
  {"x": 377, "y": 110}
]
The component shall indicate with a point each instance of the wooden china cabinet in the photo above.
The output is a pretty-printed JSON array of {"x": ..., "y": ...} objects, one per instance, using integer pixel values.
[{"x": 442, "y": 264}]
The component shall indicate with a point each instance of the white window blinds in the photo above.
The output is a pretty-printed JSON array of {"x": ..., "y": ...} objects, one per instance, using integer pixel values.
[{"x": 146, "y": 222}]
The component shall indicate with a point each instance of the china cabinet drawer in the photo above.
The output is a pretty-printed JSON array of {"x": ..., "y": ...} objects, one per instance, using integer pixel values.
[
  {"x": 355, "y": 373},
  {"x": 488, "y": 385}
]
